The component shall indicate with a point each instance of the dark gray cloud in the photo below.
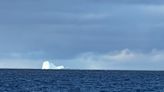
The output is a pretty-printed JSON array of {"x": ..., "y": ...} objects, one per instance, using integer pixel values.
[{"x": 62, "y": 29}]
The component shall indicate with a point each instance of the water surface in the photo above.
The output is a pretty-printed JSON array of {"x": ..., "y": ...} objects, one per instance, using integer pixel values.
[{"x": 14, "y": 80}]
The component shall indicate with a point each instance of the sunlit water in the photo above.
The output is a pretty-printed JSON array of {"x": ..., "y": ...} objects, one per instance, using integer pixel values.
[{"x": 80, "y": 81}]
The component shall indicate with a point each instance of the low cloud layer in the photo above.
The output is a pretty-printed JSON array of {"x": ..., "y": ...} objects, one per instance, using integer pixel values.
[{"x": 124, "y": 59}]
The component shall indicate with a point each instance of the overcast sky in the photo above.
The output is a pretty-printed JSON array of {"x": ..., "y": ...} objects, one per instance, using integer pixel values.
[{"x": 80, "y": 33}]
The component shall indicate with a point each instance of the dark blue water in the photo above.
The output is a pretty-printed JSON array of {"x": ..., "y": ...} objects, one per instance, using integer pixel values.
[{"x": 80, "y": 81}]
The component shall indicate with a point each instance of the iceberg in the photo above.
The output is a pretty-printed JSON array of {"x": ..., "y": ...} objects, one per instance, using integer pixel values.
[{"x": 48, "y": 65}]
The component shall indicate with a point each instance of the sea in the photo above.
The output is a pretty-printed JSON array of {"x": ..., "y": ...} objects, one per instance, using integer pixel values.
[{"x": 35, "y": 80}]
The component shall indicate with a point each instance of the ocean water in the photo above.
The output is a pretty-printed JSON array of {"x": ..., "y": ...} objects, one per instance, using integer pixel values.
[{"x": 80, "y": 81}]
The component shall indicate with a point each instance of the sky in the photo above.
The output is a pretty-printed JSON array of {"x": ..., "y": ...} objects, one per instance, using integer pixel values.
[{"x": 82, "y": 34}]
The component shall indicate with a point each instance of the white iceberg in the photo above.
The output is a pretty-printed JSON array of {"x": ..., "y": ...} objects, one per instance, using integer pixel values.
[{"x": 48, "y": 65}]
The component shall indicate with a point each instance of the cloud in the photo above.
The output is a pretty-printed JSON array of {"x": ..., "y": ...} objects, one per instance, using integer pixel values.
[
  {"x": 43, "y": 29},
  {"x": 100, "y": 25},
  {"x": 125, "y": 59},
  {"x": 20, "y": 63}
]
